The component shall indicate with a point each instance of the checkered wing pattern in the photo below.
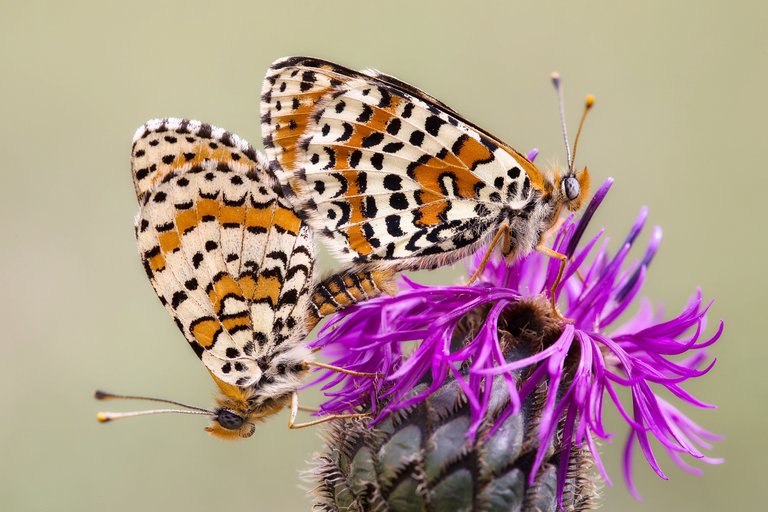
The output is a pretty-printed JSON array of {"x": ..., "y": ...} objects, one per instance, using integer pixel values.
[
  {"x": 388, "y": 175},
  {"x": 226, "y": 254}
]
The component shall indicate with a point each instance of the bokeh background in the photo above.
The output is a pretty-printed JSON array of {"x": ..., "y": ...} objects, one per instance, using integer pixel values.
[{"x": 680, "y": 123}]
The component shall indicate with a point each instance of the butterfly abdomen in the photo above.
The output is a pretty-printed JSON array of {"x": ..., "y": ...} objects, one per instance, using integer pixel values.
[{"x": 341, "y": 290}]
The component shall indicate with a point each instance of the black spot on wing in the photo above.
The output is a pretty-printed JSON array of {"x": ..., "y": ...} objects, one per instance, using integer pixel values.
[
  {"x": 369, "y": 207},
  {"x": 386, "y": 98},
  {"x": 393, "y": 225},
  {"x": 416, "y": 138},
  {"x": 178, "y": 298},
  {"x": 393, "y": 127},
  {"x": 369, "y": 235},
  {"x": 398, "y": 201},
  {"x": 393, "y": 182},
  {"x": 354, "y": 158},
  {"x": 393, "y": 147},
  {"x": 432, "y": 125},
  {"x": 348, "y": 130},
  {"x": 331, "y": 157},
  {"x": 489, "y": 144},
  {"x": 377, "y": 161},
  {"x": 373, "y": 139},
  {"x": 365, "y": 115}
]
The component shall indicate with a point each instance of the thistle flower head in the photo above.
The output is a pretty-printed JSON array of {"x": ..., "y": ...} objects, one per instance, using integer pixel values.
[{"x": 578, "y": 364}]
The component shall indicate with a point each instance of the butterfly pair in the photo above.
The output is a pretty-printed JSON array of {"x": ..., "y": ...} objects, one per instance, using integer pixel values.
[{"x": 388, "y": 176}]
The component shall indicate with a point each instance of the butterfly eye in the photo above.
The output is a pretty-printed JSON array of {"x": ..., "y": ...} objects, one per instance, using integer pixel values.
[
  {"x": 571, "y": 188},
  {"x": 229, "y": 419}
]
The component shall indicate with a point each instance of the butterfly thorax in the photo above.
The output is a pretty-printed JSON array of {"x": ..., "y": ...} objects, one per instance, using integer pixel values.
[
  {"x": 528, "y": 225},
  {"x": 559, "y": 190}
]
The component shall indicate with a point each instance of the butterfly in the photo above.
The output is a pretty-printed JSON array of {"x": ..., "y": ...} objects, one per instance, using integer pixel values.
[
  {"x": 233, "y": 264},
  {"x": 391, "y": 177}
]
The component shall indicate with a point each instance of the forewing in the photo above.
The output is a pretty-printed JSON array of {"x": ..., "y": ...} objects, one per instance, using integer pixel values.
[
  {"x": 227, "y": 256},
  {"x": 389, "y": 178}
]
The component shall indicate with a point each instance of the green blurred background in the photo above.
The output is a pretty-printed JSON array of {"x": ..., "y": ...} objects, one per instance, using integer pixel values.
[{"x": 680, "y": 123}]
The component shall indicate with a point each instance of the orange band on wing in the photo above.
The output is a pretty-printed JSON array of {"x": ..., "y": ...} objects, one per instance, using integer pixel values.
[
  {"x": 207, "y": 208},
  {"x": 169, "y": 241},
  {"x": 267, "y": 288},
  {"x": 205, "y": 331},
  {"x": 273, "y": 216},
  {"x": 287, "y": 220},
  {"x": 290, "y": 127},
  {"x": 225, "y": 286},
  {"x": 452, "y": 170},
  {"x": 263, "y": 287},
  {"x": 357, "y": 240},
  {"x": 186, "y": 220},
  {"x": 156, "y": 262},
  {"x": 470, "y": 153},
  {"x": 433, "y": 209},
  {"x": 232, "y": 215},
  {"x": 242, "y": 320},
  {"x": 202, "y": 152}
]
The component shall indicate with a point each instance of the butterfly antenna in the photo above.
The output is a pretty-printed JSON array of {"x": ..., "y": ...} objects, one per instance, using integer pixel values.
[
  {"x": 110, "y": 416},
  {"x": 587, "y": 107},
  {"x": 561, "y": 104},
  {"x": 104, "y": 416}
]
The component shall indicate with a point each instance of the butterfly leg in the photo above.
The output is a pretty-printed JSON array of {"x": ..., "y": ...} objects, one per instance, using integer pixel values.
[
  {"x": 503, "y": 232},
  {"x": 295, "y": 409},
  {"x": 563, "y": 260},
  {"x": 342, "y": 370},
  {"x": 550, "y": 233}
]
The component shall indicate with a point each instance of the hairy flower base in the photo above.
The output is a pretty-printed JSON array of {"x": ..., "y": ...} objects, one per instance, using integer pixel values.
[
  {"x": 579, "y": 362},
  {"x": 420, "y": 458}
]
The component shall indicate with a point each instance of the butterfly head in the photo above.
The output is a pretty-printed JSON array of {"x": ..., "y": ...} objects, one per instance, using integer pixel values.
[
  {"x": 572, "y": 189},
  {"x": 239, "y": 409},
  {"x": 236, "y": 413},
  {"x": 233, "y": 420},
  {"x": 230, "y": 424}
]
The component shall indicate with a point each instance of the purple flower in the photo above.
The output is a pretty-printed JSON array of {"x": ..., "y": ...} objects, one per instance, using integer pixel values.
[{"x": 593, "y": 357}]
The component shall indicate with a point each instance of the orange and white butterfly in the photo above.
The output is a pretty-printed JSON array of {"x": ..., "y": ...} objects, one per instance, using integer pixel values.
[
  {"x": 233, "y": 264},
  {"x": 391, "y": 177}
]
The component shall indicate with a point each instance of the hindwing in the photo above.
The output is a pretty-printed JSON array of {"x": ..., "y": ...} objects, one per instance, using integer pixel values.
[{"x": 226, "y": 254}]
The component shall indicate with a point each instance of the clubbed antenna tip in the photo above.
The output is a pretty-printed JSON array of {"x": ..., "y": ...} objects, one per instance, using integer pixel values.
[{"x": 103, "y": 417}]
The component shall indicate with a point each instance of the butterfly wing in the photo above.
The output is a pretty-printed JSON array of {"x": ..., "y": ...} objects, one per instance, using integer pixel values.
[
  {"x": 386, "y": 173},
  {"x": 228, "y": 257}
]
